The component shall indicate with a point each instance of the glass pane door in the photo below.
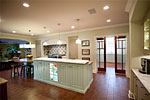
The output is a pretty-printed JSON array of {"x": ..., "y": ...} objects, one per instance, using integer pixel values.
[
  {"x": 101, "y": 53},
  {"x": 120, "y": 54}
]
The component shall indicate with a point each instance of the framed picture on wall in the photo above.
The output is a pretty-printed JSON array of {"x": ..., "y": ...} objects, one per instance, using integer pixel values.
[
  {"x": 86, "y": 43},
  {"x": 86, "y": 58},
  {"x": 85, "y": 51}
]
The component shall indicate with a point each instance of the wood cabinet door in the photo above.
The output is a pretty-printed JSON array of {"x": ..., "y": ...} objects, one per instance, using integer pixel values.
[
  {"x": 68, "y": 74},
  {"x": 47, "y": 70},
  {"x": 62, "y": 73},
  {"x": 39, "y": 68},
  {"x": 35, "y": 69},
  {"x": 77, "y": 76}
]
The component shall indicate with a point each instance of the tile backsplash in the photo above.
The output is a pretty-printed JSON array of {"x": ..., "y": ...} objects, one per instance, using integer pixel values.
[{"x": 55, "y": 49}]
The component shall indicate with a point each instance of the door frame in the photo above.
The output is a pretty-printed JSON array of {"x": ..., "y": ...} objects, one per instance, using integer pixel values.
[
  {"x": 102, "y": 69},
  {"x": 95, "y": 70},
  {"x": 116, "y": 70}
]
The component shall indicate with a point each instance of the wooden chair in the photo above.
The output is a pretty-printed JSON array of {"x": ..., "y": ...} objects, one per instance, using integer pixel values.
[
  {"x": 30, "y": 69},
  {"x": 23, "y": 69},
  {"x": 14, "y": 69}
]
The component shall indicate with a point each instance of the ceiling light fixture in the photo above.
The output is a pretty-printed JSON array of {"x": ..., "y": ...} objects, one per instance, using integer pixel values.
[
  {"x": 32, "y": 34},
  {"x": 106, "y": 7},
  {"x": 72, "y": 27},
  {"x": 59, "y": 42},
  {"x": 48, "y": 31},
  {"x": 26, "y": 5},
  {"x": 78, "y": 41},
  {"x": 108, "y": 20},
  {"x": 14, "y": 31}
]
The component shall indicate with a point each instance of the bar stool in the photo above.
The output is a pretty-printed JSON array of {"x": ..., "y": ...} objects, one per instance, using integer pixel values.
[
  {"x": 30, "y": 69},
  {"x": 23, "y": 70},
  {"x": 14, "y": 69}
]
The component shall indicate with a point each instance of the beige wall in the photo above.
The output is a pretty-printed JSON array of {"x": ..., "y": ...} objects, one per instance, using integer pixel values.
[
  {"x": 89, "y": 35},
  {"x": 20, "y": 37},
  {"x": 138, "y": 13}
]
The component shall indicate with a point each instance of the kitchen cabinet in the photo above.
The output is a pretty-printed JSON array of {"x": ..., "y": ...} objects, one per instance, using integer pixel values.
[
  {"x": 140, "y": 85},
  {"x": 69, "y": 75}
]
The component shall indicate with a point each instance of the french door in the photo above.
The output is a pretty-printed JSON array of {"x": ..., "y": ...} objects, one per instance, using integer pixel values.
[
  {"x": 120, "y": 54},
  {"x": 101, "y": 51}
]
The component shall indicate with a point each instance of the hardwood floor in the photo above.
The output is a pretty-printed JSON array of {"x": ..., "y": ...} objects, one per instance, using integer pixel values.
[{"x": 105, "y": 86}]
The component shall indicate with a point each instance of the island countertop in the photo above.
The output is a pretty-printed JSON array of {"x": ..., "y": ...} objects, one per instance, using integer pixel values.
[
  {"x": 74, "y": 61},
  {"x": 3, "y": 81}
]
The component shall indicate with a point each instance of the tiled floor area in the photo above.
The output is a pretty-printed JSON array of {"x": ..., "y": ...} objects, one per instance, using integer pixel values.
[{"x": 105, "y": 86}]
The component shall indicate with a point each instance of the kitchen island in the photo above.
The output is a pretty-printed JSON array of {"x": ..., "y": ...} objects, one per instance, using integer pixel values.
[{"x": 75, "y": 75}]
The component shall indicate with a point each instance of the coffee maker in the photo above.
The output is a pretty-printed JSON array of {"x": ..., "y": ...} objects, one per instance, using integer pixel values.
[{"x": 145, "y": 63}]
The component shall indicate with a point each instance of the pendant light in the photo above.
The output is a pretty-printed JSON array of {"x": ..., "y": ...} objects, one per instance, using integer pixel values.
[
  {"x": 59, "y": 42},
  {"x": 27, "y": 45},
  {"x": 45, "y": 44},
  {"x": 78, "y": 41}
]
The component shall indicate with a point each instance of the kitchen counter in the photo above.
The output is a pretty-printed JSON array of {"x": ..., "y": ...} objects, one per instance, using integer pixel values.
[
  {"x": 75, "y": 61},
  {"x": 144, "y": 79},
  {"x": 75, "y": 75},
  {"x": 3, "y": 89},
  {"x": 3, "y": 81}
]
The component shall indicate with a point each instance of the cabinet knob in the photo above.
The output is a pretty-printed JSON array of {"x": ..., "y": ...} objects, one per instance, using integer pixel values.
[{"x": 146, "y": 94}]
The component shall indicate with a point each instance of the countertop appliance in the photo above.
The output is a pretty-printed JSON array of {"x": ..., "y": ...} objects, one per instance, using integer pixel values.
[{"x": 145, "y": 63}]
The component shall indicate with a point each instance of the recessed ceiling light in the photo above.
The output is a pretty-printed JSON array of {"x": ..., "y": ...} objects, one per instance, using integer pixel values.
[
  {"x": 108, "y": 20},
  {"x": 26, "y": 4},
  {"x": 106, "y": 7},
  {"x": 32, "y": 34},
  {"x": 48, "y": 31},
  {"x": 14, "y": 31},
  {"x": 72, "y": 27}
]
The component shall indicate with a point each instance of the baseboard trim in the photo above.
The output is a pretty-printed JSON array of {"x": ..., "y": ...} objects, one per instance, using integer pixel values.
[
  {"x": 130, "y": 95},
  {"x": 83, "y": 91}
]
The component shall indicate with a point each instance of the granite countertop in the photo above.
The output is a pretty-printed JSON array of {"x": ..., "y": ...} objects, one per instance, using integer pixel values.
[
  {"x": 75, "y": 61},
  {"x": 144, "y": 78},
  {"x": 3, "y": 81}
]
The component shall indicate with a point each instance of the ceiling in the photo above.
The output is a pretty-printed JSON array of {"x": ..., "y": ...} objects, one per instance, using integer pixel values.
[{"x": 47, "y": 13}]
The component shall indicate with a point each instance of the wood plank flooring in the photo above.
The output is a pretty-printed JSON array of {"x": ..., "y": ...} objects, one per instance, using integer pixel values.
[{"x": 105, "y": 86}]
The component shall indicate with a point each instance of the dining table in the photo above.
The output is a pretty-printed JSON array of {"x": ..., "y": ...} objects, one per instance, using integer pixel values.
[{"x": 23, "y": 60}]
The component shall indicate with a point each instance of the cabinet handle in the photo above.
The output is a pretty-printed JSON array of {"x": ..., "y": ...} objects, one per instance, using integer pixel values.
[{"x": 146, "y": 94}]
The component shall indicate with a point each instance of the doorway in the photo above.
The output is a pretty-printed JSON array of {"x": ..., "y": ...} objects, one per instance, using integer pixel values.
[
  {"x": 73, "y": 47},
  {"x": 111, "y": 53}
]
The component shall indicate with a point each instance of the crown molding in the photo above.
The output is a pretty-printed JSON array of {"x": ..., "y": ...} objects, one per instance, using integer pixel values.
[
  {"x": 83, "y": 30},
  {"x": 129, "y": 5},
  {"x": 17, "y": 35}
]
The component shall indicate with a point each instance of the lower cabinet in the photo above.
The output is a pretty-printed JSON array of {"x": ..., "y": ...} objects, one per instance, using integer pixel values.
[
  {"x": 76, "y": 77},
  {"x": 140, "y": 93},
  {"x": 71, "y": 75}
]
